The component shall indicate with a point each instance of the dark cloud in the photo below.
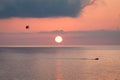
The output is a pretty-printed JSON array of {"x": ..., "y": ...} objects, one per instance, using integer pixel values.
[{"x": 42, "y": 8}]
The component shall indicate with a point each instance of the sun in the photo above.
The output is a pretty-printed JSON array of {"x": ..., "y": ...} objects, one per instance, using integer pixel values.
[{"x": 58, "y": 39}]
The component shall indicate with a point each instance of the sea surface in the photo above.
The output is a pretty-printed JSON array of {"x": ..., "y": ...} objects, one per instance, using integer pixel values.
[{"x": 60, "y": 63}]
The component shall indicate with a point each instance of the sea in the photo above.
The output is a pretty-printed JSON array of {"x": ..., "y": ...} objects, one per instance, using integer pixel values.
[{"x": 60, "y": 62}]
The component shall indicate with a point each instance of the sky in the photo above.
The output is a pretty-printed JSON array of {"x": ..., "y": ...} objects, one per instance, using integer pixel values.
[
  {"x": 52, "y": 15},
  {"x": 96, "y": 37},
  {"x": 67, "y": 15}
]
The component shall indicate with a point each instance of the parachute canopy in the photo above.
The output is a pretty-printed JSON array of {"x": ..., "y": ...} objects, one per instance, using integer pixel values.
[{"x": 27, "y": 27}]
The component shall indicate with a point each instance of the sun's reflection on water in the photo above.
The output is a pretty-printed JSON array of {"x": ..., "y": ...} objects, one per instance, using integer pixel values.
[{"x": 58, "y": 73}]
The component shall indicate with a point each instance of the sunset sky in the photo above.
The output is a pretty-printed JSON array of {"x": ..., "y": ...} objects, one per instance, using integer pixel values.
[{"x": 67, "y": 15}]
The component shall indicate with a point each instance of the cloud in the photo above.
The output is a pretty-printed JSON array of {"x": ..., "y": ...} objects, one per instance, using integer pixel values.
[{"x": 42, "y": 8}]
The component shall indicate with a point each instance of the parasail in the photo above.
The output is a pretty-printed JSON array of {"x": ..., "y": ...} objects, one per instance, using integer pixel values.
[{"x": 27, "y": 27}]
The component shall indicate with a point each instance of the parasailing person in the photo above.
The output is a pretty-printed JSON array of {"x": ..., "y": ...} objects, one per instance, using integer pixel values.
[{"x": 27, "y": 27}]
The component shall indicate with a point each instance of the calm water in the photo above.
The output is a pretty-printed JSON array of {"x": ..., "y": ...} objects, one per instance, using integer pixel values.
[{"x": 60, "y": 63}]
